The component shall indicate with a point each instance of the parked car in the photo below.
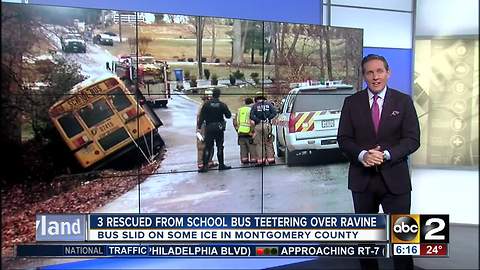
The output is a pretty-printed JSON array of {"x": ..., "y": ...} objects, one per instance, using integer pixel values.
[
  {"x": 103, "y": 39},
  {"x": 112, "y": 34},
  {"x": 308, "y": 119},
  {"x": 73, "y": 43}
]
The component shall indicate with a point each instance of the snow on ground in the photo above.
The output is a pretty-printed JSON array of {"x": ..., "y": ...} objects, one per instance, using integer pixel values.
[{"x": 92, "y": 63}]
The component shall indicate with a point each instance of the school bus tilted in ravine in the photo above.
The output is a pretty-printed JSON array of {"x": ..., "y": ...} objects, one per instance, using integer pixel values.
[{"x": 100, "y": 119}]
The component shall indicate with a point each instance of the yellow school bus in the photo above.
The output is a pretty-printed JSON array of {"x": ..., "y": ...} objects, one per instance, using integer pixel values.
[{"x": 100, "y": 119}]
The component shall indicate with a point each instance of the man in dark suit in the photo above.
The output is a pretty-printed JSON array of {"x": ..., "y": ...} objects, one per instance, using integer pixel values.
[{"x": 378, "y": 130}]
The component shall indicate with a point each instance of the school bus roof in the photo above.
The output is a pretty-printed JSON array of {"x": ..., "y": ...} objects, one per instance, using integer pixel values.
[
  {"x": 89, "y": 82},
  {"x": 82, "y": 85}
]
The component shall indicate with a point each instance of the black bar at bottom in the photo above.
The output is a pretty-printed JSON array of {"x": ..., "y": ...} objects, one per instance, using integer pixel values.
[{"x": 204, "y": 250}]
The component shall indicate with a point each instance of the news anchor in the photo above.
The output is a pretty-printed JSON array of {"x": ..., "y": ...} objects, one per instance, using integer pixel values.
[{"x": 378, "y": 130}]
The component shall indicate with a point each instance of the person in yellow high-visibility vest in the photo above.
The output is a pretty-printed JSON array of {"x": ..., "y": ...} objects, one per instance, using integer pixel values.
[{"x": 245, "y": 129}]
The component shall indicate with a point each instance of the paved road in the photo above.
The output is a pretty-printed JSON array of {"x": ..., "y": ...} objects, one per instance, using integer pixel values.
[
  {"x": 177, "y": 187},
  {"x": 92, "y": 63}
]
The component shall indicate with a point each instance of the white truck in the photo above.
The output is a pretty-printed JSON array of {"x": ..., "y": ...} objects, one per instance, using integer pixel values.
[{"x": 308, "y": 119}]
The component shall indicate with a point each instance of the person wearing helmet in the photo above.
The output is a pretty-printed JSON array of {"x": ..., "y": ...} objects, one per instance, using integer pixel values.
[
  {"x": 201, "y": 137},
  {"x": 212, "y": 113},
  {"x": 262, "y": 114},
  {"x": 245, "y": 129}
]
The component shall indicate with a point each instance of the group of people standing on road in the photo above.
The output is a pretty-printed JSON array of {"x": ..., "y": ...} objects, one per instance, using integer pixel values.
[
  {"x": 378, "y": 130},
  {"x": 252, "y": 123}
]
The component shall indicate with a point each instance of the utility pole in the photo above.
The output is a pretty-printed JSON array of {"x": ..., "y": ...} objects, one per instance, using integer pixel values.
[
  {"x": 199, "y": 25},
  {"x": 120, "y": 26}
]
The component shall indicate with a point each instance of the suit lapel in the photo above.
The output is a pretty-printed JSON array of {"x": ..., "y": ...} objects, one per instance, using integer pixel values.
[
  {"x": 366, "y": 110},
  {"x": 386, "y": 108}
]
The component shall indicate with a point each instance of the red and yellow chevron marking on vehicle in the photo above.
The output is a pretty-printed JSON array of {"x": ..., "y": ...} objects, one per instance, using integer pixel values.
[{"x": 304, "y": 121}]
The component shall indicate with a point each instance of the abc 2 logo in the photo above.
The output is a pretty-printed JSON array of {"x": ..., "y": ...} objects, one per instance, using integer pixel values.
[{"x": 416, "y": 229}]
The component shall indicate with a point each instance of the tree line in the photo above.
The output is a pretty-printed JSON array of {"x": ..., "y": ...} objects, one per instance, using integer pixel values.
[{"x": 25, "y": 107}]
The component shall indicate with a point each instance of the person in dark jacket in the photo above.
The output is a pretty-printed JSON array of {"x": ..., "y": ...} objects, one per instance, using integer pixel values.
[
  {"x": 213, "y": 113},
  {"x": 262, "y": 114},
  {"x": 201, "y": 140}
]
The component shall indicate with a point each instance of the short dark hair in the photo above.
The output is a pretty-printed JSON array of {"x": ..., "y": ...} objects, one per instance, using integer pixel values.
[
  {"x": 371, "y": 57},
  {"x": 216, "y": 93},
  {"x": 248, "y": 101}
]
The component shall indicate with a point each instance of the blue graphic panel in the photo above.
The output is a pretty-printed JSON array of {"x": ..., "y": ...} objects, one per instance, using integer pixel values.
[{"x": 299, "y": 11}]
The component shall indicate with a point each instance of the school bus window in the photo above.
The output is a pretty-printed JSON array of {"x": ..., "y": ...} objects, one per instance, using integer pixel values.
[
  {"x": 113, "y": 139},
  {"x": 120, "y": 101},
  {"x": 70, "y": 125},
  {"x": 95, "y": 113}
]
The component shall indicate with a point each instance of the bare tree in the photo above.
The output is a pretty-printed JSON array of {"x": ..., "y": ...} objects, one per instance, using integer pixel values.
[
  {"x": 17, "y": 42},
  {"x": 283, "y": 33},
  {"x": 254, "y": 39},
  {"x": 159, "y": 18},
  {"x": 296, "y": 30},
  {"x": 240, "y": 31},
  {"x": 143, "y": 43},
  {"x": 322, "y": 61},
  {"x": 171, "y": 18},
  {"x": 197, "y": 25},
  {"x": 294, "y": 54},
  {"x": 199, "y": 28},
  {"x": 270, "y": 33},
  {"x": 245, "y": 25},
  {"x": 304, "y": 52},
  {"x": 23, "y": 36},
  {"x": 328, "y": 52},
  {"x": 132, "y": 44},
  {"x": 237, "y": 50},
  {"x": 214, "y": 38}
]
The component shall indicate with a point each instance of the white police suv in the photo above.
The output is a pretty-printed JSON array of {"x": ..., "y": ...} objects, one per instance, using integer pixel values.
[{"x": 308, "y": 119}]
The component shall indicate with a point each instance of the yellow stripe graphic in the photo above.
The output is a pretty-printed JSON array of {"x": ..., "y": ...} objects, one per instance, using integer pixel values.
[
  {"x": 299, "y": 123},
  {"x": 311, "y": 121}
]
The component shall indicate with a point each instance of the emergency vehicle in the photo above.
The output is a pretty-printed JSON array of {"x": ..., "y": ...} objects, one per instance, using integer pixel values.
[
  {"x": 308, "y": 119},
  {"x": 152, "y": 77}
]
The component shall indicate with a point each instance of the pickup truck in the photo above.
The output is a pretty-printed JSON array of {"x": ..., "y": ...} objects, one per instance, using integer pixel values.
[{"x": 73, "y": 43}]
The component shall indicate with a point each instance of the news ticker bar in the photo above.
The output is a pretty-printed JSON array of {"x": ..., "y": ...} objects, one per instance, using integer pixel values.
[
  {"x": 234, "y": 221},
  {"x": 209, "y": 227},
  {"x": 205, "y": 250}
]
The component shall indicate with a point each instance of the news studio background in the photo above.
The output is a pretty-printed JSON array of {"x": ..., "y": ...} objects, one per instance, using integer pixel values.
[{"x": 66, "y": 207}]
